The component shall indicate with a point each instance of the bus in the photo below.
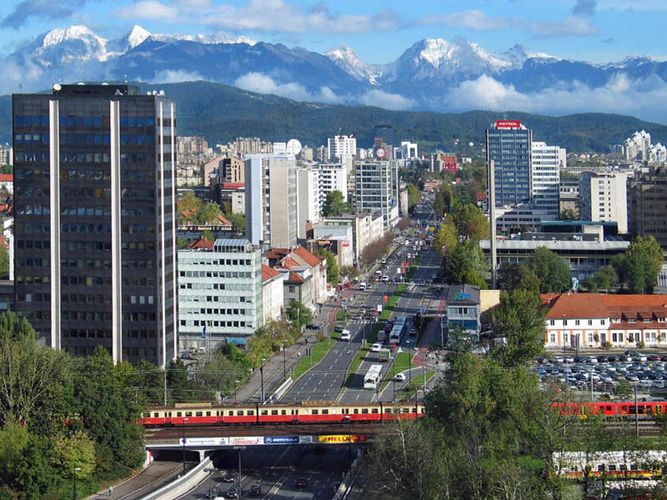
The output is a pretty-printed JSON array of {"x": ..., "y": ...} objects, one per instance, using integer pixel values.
[
  {"x": 372, "y": 378},
  {"x": 397, "y": 331}
]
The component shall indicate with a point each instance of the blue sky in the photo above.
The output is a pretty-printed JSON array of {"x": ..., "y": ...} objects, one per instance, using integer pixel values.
[{"x": 378, "y": 31}]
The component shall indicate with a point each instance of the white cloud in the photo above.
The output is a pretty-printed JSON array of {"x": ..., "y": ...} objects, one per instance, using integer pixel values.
[
  {"x": 646, "y": 99},
  {"x": 386, "y": 100},
  {"x": 176, "y": 76},
  {"x": 264, "y": 84},
  {"x": 279, "y": 16},
  {"x": 149, "y": 9},
  {"x": 574, "y": 25}
]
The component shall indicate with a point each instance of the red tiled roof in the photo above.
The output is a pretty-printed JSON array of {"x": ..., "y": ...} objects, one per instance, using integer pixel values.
[
  {"x": 597, "y": 305},
  {"x": 269, "y": 273},
  {"x": 201, "y": 244},
  {"x": 295, "y": 278},
  {"x": 309, "y": 258},
  {"x": 289, "y": 263}
]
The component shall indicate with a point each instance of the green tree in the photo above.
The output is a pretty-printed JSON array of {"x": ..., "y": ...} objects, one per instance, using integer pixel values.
[
  {"x": 568, "y": 214},
  {"x": 605, "y": 278},
  {"x": 333, "y": 275},
  {"x": 465, "y": 263},
  {"x": 446, "y": 238},
  {"x": 552, "y": 271},
  {"x": 349, "y": 271},
  {"x": 414, "y": 196},
  {"x": 470, "y": 221},
  {"x": 208, "y": 235},
  {"x": 208, "y": 213},
  {"x": 444, "y": 200},
  {"x": 519, "y": 319},
  {"x": 74, "y": 451},
  {"x": 644, "y": 260},
  {"x": 4, "y": 263},
  {"x": 512, "y": 276},
  {"x": 237, "y": 220},
  {"x": 334, "y": 204},
  {"x": 188, "y": 203},
  {"x": 178, "y": 382},
  {"x": 299, "y": 315},
  {"x": 109, "y": 408},
  {"x": 36, "y": 384}
]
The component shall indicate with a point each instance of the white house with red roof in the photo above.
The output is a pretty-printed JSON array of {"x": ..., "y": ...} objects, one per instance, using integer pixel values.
[{"x": 589, "y": 320}]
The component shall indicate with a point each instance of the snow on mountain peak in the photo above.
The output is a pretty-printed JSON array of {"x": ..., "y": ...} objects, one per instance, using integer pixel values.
[
  {"x": 76, "y": 32},
  {"x": 137, "y": 35},
  {"x": 436, "y": 50},
  {"x": 345, "y": 58}
]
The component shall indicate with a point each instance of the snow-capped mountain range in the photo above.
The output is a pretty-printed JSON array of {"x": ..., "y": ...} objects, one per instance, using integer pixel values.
[{"x": 432, "y": 74}]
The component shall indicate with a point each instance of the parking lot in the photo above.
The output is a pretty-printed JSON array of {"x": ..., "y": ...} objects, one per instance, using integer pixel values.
[{"x": 647, "y": 372}]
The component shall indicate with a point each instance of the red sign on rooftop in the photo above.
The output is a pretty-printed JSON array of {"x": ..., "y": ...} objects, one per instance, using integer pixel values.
[{"x": 508, "y": 124}]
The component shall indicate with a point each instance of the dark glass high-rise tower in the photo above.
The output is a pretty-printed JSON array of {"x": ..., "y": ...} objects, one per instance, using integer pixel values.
[
  {"x": 95, "y": 259},
  {"x": 508, "y": 144}
]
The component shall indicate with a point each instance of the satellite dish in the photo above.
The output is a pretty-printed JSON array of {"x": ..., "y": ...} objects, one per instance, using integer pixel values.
[
  {"x": 57, "y": 87},
  {"x": 293, "y": 147}
]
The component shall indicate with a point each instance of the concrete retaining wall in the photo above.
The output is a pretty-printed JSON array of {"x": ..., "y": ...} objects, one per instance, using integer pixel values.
[{"x": 182, "y": 485}]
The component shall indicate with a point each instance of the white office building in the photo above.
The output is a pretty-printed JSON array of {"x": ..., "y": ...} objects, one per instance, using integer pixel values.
[
  {"x": 545, "y": 178},
  {"x": 604, "y": 198},
  {"x": 308, "y": 199},
  {"x": 271, "y": 200},
  {"x": 331, "y": 177},
  {"x": 219, "y": 293},
  {"x": 341, "y": 147},
  {"x": 377, "y": 189}
]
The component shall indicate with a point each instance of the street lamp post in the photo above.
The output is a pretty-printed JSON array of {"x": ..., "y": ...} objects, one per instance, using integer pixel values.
[
  {"x": 211, "y": 471},
  {"x": 284, "y": 360},
  {"x": 185, "y": 421},
  {"x": 76, "y": 469},
  {"x": 261, "y": 378}
]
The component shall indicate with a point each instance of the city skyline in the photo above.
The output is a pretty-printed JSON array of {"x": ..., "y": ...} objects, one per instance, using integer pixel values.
[{"x": 592, "y": 30}]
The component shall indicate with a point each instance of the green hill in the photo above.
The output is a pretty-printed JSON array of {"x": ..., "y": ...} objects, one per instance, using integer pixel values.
[{"x": 221, "y": 113}]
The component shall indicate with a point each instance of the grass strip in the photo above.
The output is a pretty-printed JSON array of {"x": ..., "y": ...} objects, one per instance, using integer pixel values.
[{"x": 317, "y": 353}]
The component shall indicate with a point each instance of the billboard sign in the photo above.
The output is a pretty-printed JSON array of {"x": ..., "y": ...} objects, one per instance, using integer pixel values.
[
  {"x": 281, "y": 439},
  {"x": 507, "y": 124},
  {"x": 246, "y": 440},
  {"x": 342, "y": 438}
]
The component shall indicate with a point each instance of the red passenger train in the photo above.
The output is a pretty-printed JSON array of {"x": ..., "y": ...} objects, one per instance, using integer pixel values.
[
  {"x": 306, "y": 412},
  {"x": 612, "y": 408}
]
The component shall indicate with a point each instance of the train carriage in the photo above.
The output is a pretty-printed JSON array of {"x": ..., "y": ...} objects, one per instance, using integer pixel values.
[{"x": 306, "y": 412}]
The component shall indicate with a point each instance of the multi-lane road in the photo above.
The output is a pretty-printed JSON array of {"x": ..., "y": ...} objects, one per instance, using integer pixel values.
[
  {"x": 327, "y": 381},
  {"x": 295, "y": 472}
]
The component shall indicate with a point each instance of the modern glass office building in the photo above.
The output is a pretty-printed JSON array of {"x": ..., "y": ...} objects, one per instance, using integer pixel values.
[
  {"x": 508, "y": 144},
  {"x": 95, "y": 256}
]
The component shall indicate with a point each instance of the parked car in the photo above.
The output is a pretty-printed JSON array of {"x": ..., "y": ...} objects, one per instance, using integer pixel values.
[
  {"x": 312, "y": 326},
  {"x": 301, "y": 483}
]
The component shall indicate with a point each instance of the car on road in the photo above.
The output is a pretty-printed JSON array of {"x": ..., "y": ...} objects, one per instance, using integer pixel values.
[
  {"x": 413, "y": 331},
  {"x": 399, "y": 377},
  {"x": 255, "y": 490},
  {"x": 230, "y": 477},
  {"x": 301, "y": 483},
  {"x": 339, "y": 329},
  {"x": 377, "y": 347},
  {"x": 232, "y": 492},
  {"x": 346, "y": 335}
]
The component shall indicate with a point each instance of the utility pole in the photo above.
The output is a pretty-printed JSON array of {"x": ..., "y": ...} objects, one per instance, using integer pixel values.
[
  {"x": 492, "y": 216},
  {"x": 636, "y": 415}
]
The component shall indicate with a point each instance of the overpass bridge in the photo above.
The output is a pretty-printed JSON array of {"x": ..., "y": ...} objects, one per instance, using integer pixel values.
[{"x": 207, "y": 439}]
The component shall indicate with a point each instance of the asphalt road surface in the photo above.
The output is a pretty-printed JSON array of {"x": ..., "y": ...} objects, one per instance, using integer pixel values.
[{"x": 276, "y": 470}]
